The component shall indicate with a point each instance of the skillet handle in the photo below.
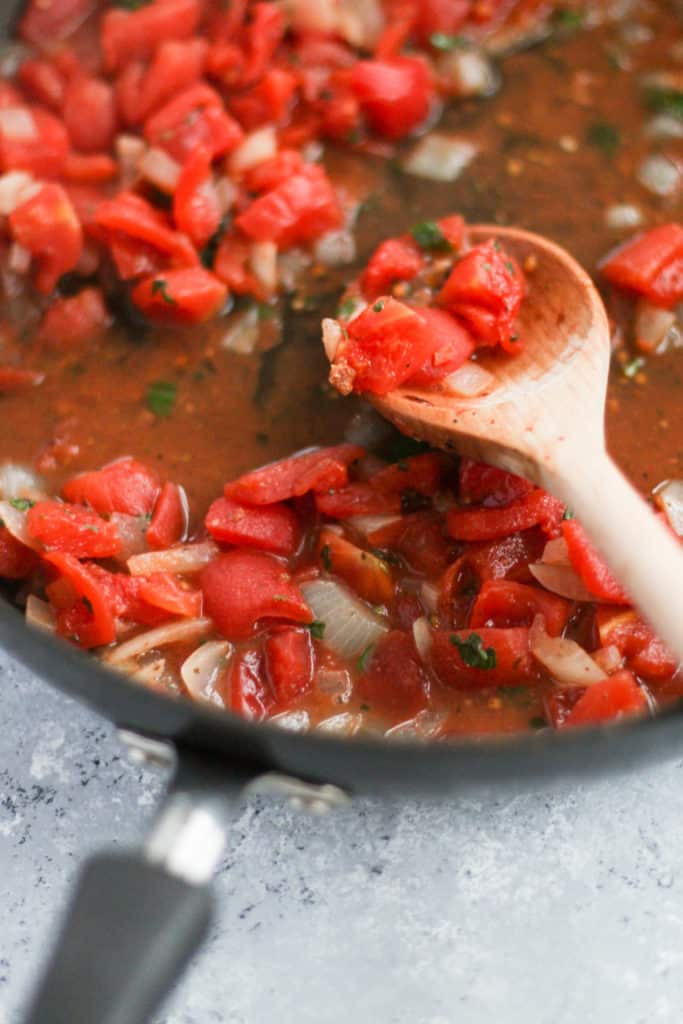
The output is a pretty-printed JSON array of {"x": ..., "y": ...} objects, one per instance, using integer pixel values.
[{"x": 131, "y": 929}]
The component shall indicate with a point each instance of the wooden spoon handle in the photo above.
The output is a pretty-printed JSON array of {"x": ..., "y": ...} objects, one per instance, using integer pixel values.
[{"x": 643, "y": 555}]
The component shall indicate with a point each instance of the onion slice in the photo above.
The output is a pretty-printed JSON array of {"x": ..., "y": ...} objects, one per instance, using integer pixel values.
[
  {"x": 468, "y": 381},
  {"x": 344, "y": 724},
  {"x": 185, "y": 558},
  {"x": 564, "y": 659},
  {"x": 422, "y": 635},
  {"x": 669, "y": 497},
  {"x": 440, "y": 157},
  {"x": 332, "y": 335},
  {"x": 350, "y": 626},
  {"x": 40, "y": 614},
  {"x": 15, "y": 522},
  {"x": 176, "y": 632},
  {"x": 426, "y": 725},
  {"x": 292, "y": 721},
  {"x": 203, "y": 667},
  {"x": 256, "y": 147},
  {"x": 562, "y": 580}
]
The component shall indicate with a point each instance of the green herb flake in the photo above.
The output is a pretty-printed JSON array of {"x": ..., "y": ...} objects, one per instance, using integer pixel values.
[
  {"x": 365, "y": 657},
  {"x": 446, "y": 41},
  {"x": 316, "y": 629},
  {"x": 326, "y": 558},
  {"x": 161, "y": 398},
  {"x": 567, "y": 514},
  {"x": 160, "y": 287},
  {"x": 604, "y": 136},
  {"x": 630, "y": 370},
  {"x": 346, "y": 309},
  {"x": 665, "y": 101},
  {"x": 429, "y": 236},
  {"x": 568, "y": 20},
  {"x": 265, "y": 311},
  {"x": 473, "y": 652},
  {"x": 378, "y": 307},
  {"x": 364, "y": 707},
  {"x": 22, "y": 504},
  {"x": 537, "y": 722}
]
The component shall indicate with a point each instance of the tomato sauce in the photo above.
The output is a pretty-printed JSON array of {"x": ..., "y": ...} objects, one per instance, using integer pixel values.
[{"x": 563, "y": 141}]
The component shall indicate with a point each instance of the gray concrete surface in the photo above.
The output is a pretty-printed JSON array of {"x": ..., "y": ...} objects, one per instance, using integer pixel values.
[{"x": 563, "y": 905}]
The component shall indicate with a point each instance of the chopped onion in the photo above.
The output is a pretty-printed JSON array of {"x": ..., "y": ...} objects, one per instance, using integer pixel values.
[
  {"x": 426, "y": 725},
  {"x": 129, "y": 151},
  {"x": 360, "y": 22},
  {"x": 664, "y": 127},
  {"x": 292, "y": 721},
  {"x": 160, "y": 169},
  {"x": 623, "y": 216},
  {"x": 370, "y": 524},
  {"x": 177, "y": 632},
  {"x": 440, "y": 157},
  {"x": 40, "y": 614},
  {"x": 253, "y": 150},
  {"x": 263, "y": 260},
  {"x": 562, "y": 580},
  {"x": 350, "y": 626},
  {"x": 203, "y": 667},
  {"x": 422, "y": 635},
  {"x": 336, "y": 248},
  {"x": 656, "y": 329},
  {"x": 334, "y": 683},
  {"x": 469, "y": 381},
  {"x": 15, "y": 188},
  {"x": 332, "y": 335},
  {"x": 18, "y": 123},
  {"x": 345, "y": 724},
  {"x": 556, "y": 552},
  {"x": 18, "y": 259},
  {"x": 564, "y": 659},
  {"x": 226, "y": 193},
  {"x": 17, "y": 481},
  {"x": 185, "y": 558},
  {"x": 429, "y": 593},
  {"x": 132, "y": 531},
  {"x": 669, "y": 497},
  {"x": 468, "y": 73},
  {"x": 15, "y": 522},
  {"x": 242, "y": 334},
  {"x": 660, "y": 174},
  {"x": 609, "y": 659},
  {"x": 292, "y": 265},
  {"x": 313, "y": 15}
]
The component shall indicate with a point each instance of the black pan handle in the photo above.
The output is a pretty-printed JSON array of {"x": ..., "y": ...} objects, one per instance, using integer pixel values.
[{"x": 130, "y": 931}]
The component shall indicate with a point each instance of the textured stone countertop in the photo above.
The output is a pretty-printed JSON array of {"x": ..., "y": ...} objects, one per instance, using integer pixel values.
[{"x": 551, "y": 907}]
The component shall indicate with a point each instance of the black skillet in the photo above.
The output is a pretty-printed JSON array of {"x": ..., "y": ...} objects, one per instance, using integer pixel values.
[{"x": 136, "y": 919}]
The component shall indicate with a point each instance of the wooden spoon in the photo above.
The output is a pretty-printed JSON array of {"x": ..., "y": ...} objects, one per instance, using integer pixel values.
[{"x": 544, "y": 419}]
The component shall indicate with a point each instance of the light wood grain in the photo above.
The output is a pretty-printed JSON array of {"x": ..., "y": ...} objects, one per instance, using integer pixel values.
[{"x": 544, "y": 419}]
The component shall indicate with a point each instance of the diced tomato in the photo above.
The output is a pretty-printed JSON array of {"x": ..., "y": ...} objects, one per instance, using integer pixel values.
[
  {"x": 631, "y": 635},
  {"x": 245, "y": 690},
  {"x": 45, "y": 24},
  {"x": 319, "y": 470},
  {"x": 42, "y": 82},
  {"x": 485, "y": 289},
  {"x": 196, "y": 209},
  {"x": 195, "y": 117},
  {"x": 17, "y": 378},
  {"x": 451, "y": 345},
  {"x": 47, "y": 225},
  {"x": 358, "y": 499},
  {"x": 453, "y": 230},
  {"x": 178, "y": 297},
  {"x": 369, "y": 576},
  {"x": 124, "y": 598},
  {"x": 169, "y": 519},
  {"x": 503, "y": 603},
  {"x": 273, "y": 528},
  {"x": 513, "y": 662},
  {"x": 296, "y": 211},
  {"x": 129, "y": 215},
  {"x": 651, "y": 265},
  {"x": 419, "y": 539},
  {"x": 395, "y": 95},
  {"x": 162, "y": 590},
  {"x": 89, "y": 114},
  {"x": 266, "y": 103},
  {"x": 272, "y": 172},
  {"x": 176, "y": 65},
  {"x": 289, "y": 664},
  {"x": 445, "y": 16},
  {"x": 480, "y": 483},
  {"x": 419, "y": 473},
  {"x": 123, "y": 486},
  {"x": 590, "y": 566},
  {"x": 261, "y": 38},
  {"x": 72, "y": 529},
  {"x": 16, "y": 560},
  {"x": 242, "y": 587},
  {"x": 90, "y": 169},
  {"x": 396, "y": 259},
  {"x": 615, "y": 697},
  {"x": 339, "y": 113},
  {"x": 89, "y": 621},
  {"x": 231, "y": 265},
  {"x": 43, "y": 152},
  {"x": 75, "y": 320},
  {"x": 135, "y": 34},
  {"x": 537, "y": 508},
  {"x": 394, "y": 681}
]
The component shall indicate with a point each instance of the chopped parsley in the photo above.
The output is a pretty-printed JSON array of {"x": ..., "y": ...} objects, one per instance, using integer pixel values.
[
  {"x": 365, "y": 657},
  {"x": 378, "y": 307},
  {"x": 316, "y": 629},
  {"x": 325, "y": 557},
  {"x": 566, "y": 20},
  {"x": 22, "y": 504},
  {"x": 346, "y": 309},
  {"x": 161, "y": 397},
  {"x": 160, "y": 287},
  {"x": 665, "y": 101},
  {"x": 473, "y": 652},
  {"x": 567, "y": 514},
  {"x": 630, "y": 370},
  {"x": 265, "y": 311},
  {"x": 446, "y": 41},
  {"x": 429, "y": 235},
  {"x": 604, "y": 136}
]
